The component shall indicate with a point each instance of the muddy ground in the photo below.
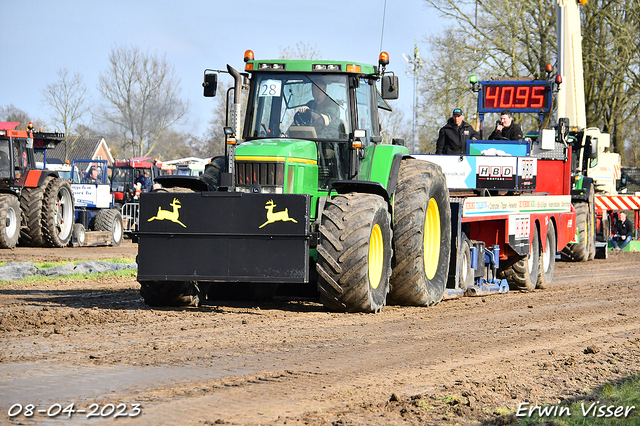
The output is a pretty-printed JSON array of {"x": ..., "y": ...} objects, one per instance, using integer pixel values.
[{"x": 465, "y": 361}]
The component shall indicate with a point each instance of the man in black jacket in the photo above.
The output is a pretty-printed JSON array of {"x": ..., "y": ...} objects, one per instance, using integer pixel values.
[
  {"x": 622, "y": 232},
  {"x": 507, "y": 129},
  {"x": 453, "y": 136}
]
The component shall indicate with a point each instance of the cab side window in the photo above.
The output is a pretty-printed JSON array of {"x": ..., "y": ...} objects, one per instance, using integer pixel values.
[{"x": 366, "y": 118}]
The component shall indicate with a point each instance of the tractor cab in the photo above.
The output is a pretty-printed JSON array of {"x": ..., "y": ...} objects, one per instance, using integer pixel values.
[
  {"x": 124, "y": 175},
  {"x": 309, "y": 112}
]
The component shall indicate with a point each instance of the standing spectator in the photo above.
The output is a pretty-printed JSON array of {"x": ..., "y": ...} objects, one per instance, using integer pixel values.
[
  {"x": 453, "y": 136},
  {"x": 622, "y": 232}
]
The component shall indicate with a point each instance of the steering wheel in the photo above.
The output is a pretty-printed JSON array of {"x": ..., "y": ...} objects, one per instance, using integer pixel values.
[{"x": 307, "y": 118}]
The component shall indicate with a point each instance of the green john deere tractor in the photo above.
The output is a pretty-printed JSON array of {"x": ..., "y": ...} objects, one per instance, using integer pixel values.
[{"x": 309, "y": 196}]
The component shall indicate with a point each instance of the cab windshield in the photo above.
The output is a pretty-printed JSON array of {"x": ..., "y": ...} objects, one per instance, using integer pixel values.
[
  {"x": 120, "y": 178},
  {"x": 301, "y": 106}
]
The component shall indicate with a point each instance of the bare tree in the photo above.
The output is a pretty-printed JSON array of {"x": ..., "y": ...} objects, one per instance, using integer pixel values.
[
  {"x": 393, "y": 125},
  {"x": 12, "y": 113},
  {"x": 610, "y": 40},
  {"x": 142, "y": 92},
  {"x": 172, "y": 145},
  {"x": 68, "y": 100},
  {"x": 300, "y": 51},
  {"x": 513, "y": 39}
]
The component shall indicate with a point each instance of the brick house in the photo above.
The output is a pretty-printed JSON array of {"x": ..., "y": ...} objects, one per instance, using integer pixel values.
[{"x": 84, "y": 147}]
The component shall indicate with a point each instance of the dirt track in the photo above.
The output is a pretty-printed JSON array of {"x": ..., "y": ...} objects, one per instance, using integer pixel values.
[{"x": 463, "y": 361}]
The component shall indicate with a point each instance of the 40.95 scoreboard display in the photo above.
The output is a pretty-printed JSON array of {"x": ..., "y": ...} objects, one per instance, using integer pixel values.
[{"x": 516, "y": 96}]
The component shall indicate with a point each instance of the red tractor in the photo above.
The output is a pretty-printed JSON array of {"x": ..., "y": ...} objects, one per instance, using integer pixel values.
[
  {"x": 125, "y": 174},
  {"x": 36, "y": 206},
  {"x": 125, "y": 187}
]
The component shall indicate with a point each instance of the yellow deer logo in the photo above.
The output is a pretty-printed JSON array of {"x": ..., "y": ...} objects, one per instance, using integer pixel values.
[
  {"x": 169, "y": 215},
  {"x": 276, "y": 216}
]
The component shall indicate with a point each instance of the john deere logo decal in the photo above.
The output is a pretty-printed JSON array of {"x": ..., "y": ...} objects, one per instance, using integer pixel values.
[
  {"x": 169, "y": 215},
  {"x": 276, "y": 216}
]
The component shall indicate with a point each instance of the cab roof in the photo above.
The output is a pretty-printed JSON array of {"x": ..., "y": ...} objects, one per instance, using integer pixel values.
[{"x": 310, "y": 66}]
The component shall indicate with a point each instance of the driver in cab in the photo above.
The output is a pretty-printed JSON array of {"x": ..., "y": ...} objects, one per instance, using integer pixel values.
[
  {"x": 506, "y": 129},
  {"x": 321, "y": 112}
]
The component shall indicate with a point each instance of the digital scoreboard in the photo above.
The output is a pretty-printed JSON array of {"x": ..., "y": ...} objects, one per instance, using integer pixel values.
[{"x": 516, "y": 96}]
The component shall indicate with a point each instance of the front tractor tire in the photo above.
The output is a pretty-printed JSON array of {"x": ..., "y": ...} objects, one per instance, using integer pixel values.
[
  {"x": 9, "y": 221},
  {"x": 354, "y": 253},
  {"x": 422, "y": 227},
  {"x": 57, "y": 213},
  {"x": 170, "y": 293}
]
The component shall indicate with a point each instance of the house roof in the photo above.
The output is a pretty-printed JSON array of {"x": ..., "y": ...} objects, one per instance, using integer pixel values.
[{"x": 84, "y": 147}]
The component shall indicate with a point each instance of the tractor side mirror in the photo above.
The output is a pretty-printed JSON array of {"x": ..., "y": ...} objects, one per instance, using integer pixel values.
[
  {"x": 590, "y": 148},
  {"x": 390, "y": 87},
  {"x": 210, "y": 84}
]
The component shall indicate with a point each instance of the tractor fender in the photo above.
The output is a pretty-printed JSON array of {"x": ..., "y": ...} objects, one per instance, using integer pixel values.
[
  {"x": 393, "y": 173},
  {"x": 583, "y": 194},
  {"x": 364, "y": 186},
  {"x": 34, "y": 178}
]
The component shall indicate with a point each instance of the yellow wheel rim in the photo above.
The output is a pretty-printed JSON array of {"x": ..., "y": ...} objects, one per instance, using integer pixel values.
[
  {"x": 431, "y": 243},
  {"x": 376, "y": 256}
]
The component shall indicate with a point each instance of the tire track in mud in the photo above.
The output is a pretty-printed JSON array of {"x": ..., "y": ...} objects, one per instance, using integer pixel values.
[{"x": 295, "y": 362}]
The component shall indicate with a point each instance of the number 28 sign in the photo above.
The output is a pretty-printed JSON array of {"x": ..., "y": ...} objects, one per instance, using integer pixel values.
[{"x": 530, "y": 96}]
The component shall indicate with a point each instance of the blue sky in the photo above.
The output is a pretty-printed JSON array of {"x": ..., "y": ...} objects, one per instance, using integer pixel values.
[{"x": 40, "y": 37}]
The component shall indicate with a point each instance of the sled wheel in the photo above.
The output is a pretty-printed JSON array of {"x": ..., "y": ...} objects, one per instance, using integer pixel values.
[
  {"x": 522, "y": 272},
  {"x": 465, "y": 272},
  {"x": 78, "y": 235},
  {"x": 548, "y": 259}
]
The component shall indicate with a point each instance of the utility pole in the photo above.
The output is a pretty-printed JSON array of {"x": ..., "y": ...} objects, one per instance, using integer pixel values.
[{"x": 415, "y": 65}]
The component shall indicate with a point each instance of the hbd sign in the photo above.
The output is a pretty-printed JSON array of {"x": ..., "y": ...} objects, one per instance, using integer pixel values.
[{"x": 496, "y": 173}]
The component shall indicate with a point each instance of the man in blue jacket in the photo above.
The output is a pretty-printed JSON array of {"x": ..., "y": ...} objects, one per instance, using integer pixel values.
[
  {"x": 144, "y": 181},
  {"x": 453, "y": 136}
]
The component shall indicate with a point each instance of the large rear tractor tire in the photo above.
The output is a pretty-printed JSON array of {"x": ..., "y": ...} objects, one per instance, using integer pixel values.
[
  {"x": 422, "y": 227},
  {"x": 57, "y": 213},
  {"x": 170, "y": 293},
  {"x": 585, "y": 249},
  {"x": 522, "y": 272},
  {"x": 354, "y": 253},
  {"x": 213, "y": 171},
  {"x": 9, "y": 221},
  {"x": 548, "y": 259},
  {"x": 31, "y": 207},
  {"x": 110, "y": 220}
]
